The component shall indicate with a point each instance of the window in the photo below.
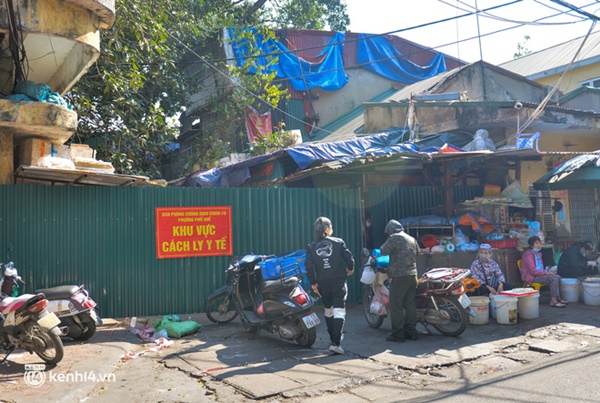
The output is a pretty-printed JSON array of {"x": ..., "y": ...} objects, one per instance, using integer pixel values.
[{"x": 593, "y": 83}]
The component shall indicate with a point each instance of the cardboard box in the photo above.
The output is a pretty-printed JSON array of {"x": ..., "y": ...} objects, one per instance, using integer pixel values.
[{"x": 82, "y": 151}]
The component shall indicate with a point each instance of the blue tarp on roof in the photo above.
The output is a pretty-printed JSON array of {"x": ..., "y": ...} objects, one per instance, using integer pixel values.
[
  {"x": 328, "y": 74},
  {"x": 346, "y": 151},
  {"x": 306, "y": 154},
  {"x": 378, "y": 55},
  {"x": 374, "y": 53}
]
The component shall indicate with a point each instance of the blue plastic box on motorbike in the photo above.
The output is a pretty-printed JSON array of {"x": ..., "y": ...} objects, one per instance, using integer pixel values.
[{"x": 288, "y": 265}]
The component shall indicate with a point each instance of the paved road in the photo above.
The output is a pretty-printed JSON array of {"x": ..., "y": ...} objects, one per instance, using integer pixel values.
[{"x": 222, "y": 363}]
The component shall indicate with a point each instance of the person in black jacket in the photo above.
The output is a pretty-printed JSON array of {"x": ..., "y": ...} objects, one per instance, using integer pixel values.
[
  {"x": 573, "y": 262},
  {"x": 328, "y": 263}
]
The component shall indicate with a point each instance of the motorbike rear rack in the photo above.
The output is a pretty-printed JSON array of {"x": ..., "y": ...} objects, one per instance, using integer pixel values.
[{"x": 444, "y": 278}]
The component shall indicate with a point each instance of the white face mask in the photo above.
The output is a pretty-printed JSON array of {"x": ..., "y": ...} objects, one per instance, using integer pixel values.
[{"x": 484, "y": 257}]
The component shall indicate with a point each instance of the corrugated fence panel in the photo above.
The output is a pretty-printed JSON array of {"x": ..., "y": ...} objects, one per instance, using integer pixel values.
[
  {"x": 386, "y": 203},
  {"x": 105, "y": 238}
]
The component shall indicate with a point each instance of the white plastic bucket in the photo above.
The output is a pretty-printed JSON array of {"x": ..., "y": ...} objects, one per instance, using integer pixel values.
[
  {"x": 591, "y": 292},
  {"x": 569, "y": 289},
  {"x": 529, "y": 306},
  {"x": 493, "y": 306},
  {"x": 506, "y": 309},
  {"x": 480, "y": 305}
]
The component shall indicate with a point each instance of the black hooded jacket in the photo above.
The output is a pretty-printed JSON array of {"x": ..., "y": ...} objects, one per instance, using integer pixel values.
[{"x": 328, "y": 260}]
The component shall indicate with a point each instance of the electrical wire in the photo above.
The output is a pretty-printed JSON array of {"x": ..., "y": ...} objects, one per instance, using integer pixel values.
[
  {"x": 209, "y": 63},
  {"x": 370, "y": 36},
  {"x": 408, "y": 55},
  {"x": 16, "y": 42},
  {"x": 502, "y": 19},
  {"x": 544, "y": 102},
  {"x": 239, "y": 85}
]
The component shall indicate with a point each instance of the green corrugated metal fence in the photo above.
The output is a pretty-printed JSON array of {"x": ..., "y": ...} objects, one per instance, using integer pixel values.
[{"x": 104, "y": 237}]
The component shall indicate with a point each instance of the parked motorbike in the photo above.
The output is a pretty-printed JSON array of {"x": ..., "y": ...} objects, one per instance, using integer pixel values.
[
  {"x": 441, "y": 299},
  {"x": 279, "y": 305},
  {"x": 26, "y": 323},
  {"x": 75, "y": 309},
  {"x": 70, "y": 303}
]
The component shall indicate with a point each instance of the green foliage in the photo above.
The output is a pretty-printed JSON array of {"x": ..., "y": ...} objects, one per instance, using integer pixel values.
[
  {"x": 522, "y": 48},
  {"x": 129, "y": 102},
  {"x": 312, "y": 14},
  {"x": 277, "y": 140}
]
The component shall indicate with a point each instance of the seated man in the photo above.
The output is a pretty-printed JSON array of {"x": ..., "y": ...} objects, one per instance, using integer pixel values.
[{"x": 573, "y": 262}]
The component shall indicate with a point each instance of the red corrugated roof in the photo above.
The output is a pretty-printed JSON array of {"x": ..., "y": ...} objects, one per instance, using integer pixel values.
[{"x": 310, "y": 43}]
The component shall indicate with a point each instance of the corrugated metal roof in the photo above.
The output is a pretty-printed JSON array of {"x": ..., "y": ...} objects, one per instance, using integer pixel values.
[
  {"x": 556, "y": 58},
  {"x": 310, "y": 43},
  {"x": 74, "y": 177}
]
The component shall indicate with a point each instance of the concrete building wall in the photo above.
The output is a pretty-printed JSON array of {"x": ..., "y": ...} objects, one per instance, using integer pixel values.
[{"x": 362, "y": 86}]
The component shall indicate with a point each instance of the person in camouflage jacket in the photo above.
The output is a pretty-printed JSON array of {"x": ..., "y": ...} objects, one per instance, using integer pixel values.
[{"x": 402, "y": 271}]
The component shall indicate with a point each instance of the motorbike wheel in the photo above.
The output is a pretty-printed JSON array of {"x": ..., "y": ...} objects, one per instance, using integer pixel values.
[
  {"x": 49, "y": 346},
  {"x": 373, "y": 320},
  {"x": 89, "y": 329},
  {"x": 456, "y": 315},
  {"x": 309, "y": 336},
  {"x": 221, "y": 309}
]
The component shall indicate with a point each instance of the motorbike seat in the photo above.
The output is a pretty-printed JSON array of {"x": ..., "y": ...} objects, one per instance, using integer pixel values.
[
  {"x": 60, "y": 292},
  {"x": 268, "y": 286}
]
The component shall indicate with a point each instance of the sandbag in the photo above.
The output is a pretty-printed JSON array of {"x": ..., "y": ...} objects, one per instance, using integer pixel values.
[{"x": 181, "y": 329}]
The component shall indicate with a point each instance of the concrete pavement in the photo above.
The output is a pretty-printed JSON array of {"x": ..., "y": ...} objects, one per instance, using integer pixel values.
[{"x": 224, "y": 363}]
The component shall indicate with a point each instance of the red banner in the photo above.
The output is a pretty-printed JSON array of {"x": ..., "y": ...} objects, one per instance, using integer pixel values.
[{"x": 193, "y": 231}]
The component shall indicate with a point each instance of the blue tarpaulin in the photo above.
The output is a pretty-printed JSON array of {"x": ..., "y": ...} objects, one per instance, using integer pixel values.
[
  {"x": 328, "y": 74},
  {"x": 378, "y": 55},
  {"x": 346, "y": 151},
  {"x": 374, "y": 53},
  {"x": 306, "y": 154}
]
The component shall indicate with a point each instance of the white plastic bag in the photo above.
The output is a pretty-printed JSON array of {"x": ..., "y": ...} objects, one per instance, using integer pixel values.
[
  {"x": 377, "y": 306},
  {"x": 368, "y": 275},
  {"x": 460, "y": 238}
]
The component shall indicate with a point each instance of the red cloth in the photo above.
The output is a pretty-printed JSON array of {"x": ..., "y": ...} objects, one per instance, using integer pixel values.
[{"x": 257, "y": 124}]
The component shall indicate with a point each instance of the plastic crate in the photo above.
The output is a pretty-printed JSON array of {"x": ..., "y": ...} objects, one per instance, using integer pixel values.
[
  {"x": 286, "y": 265},
  {"x": 503, "y": 243}
]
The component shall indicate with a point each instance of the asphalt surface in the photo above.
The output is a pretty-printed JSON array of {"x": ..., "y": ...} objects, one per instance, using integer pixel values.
[{"x": 224, "y": 363}]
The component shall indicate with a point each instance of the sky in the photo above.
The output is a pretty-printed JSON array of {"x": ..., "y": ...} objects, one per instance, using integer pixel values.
[{"x": 515, "y": 21}]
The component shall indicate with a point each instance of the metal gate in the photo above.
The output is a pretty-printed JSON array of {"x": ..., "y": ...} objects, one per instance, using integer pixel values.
[{"x": 584, "y": 214}]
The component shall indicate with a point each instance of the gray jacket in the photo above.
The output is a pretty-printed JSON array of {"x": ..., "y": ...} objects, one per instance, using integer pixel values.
[{"x": 402, "y": 249}]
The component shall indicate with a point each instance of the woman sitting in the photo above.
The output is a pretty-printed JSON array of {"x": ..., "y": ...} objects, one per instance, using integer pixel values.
[
  {"x": 532, "y": 271},
  {"x": 485, "y": 270}
]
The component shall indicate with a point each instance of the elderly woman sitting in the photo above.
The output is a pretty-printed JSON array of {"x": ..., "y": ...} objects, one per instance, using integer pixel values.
[{"x": 485, "y": 270}]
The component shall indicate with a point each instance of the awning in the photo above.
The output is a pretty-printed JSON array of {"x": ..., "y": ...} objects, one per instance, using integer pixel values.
[{"x": 580, "y": 172}]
